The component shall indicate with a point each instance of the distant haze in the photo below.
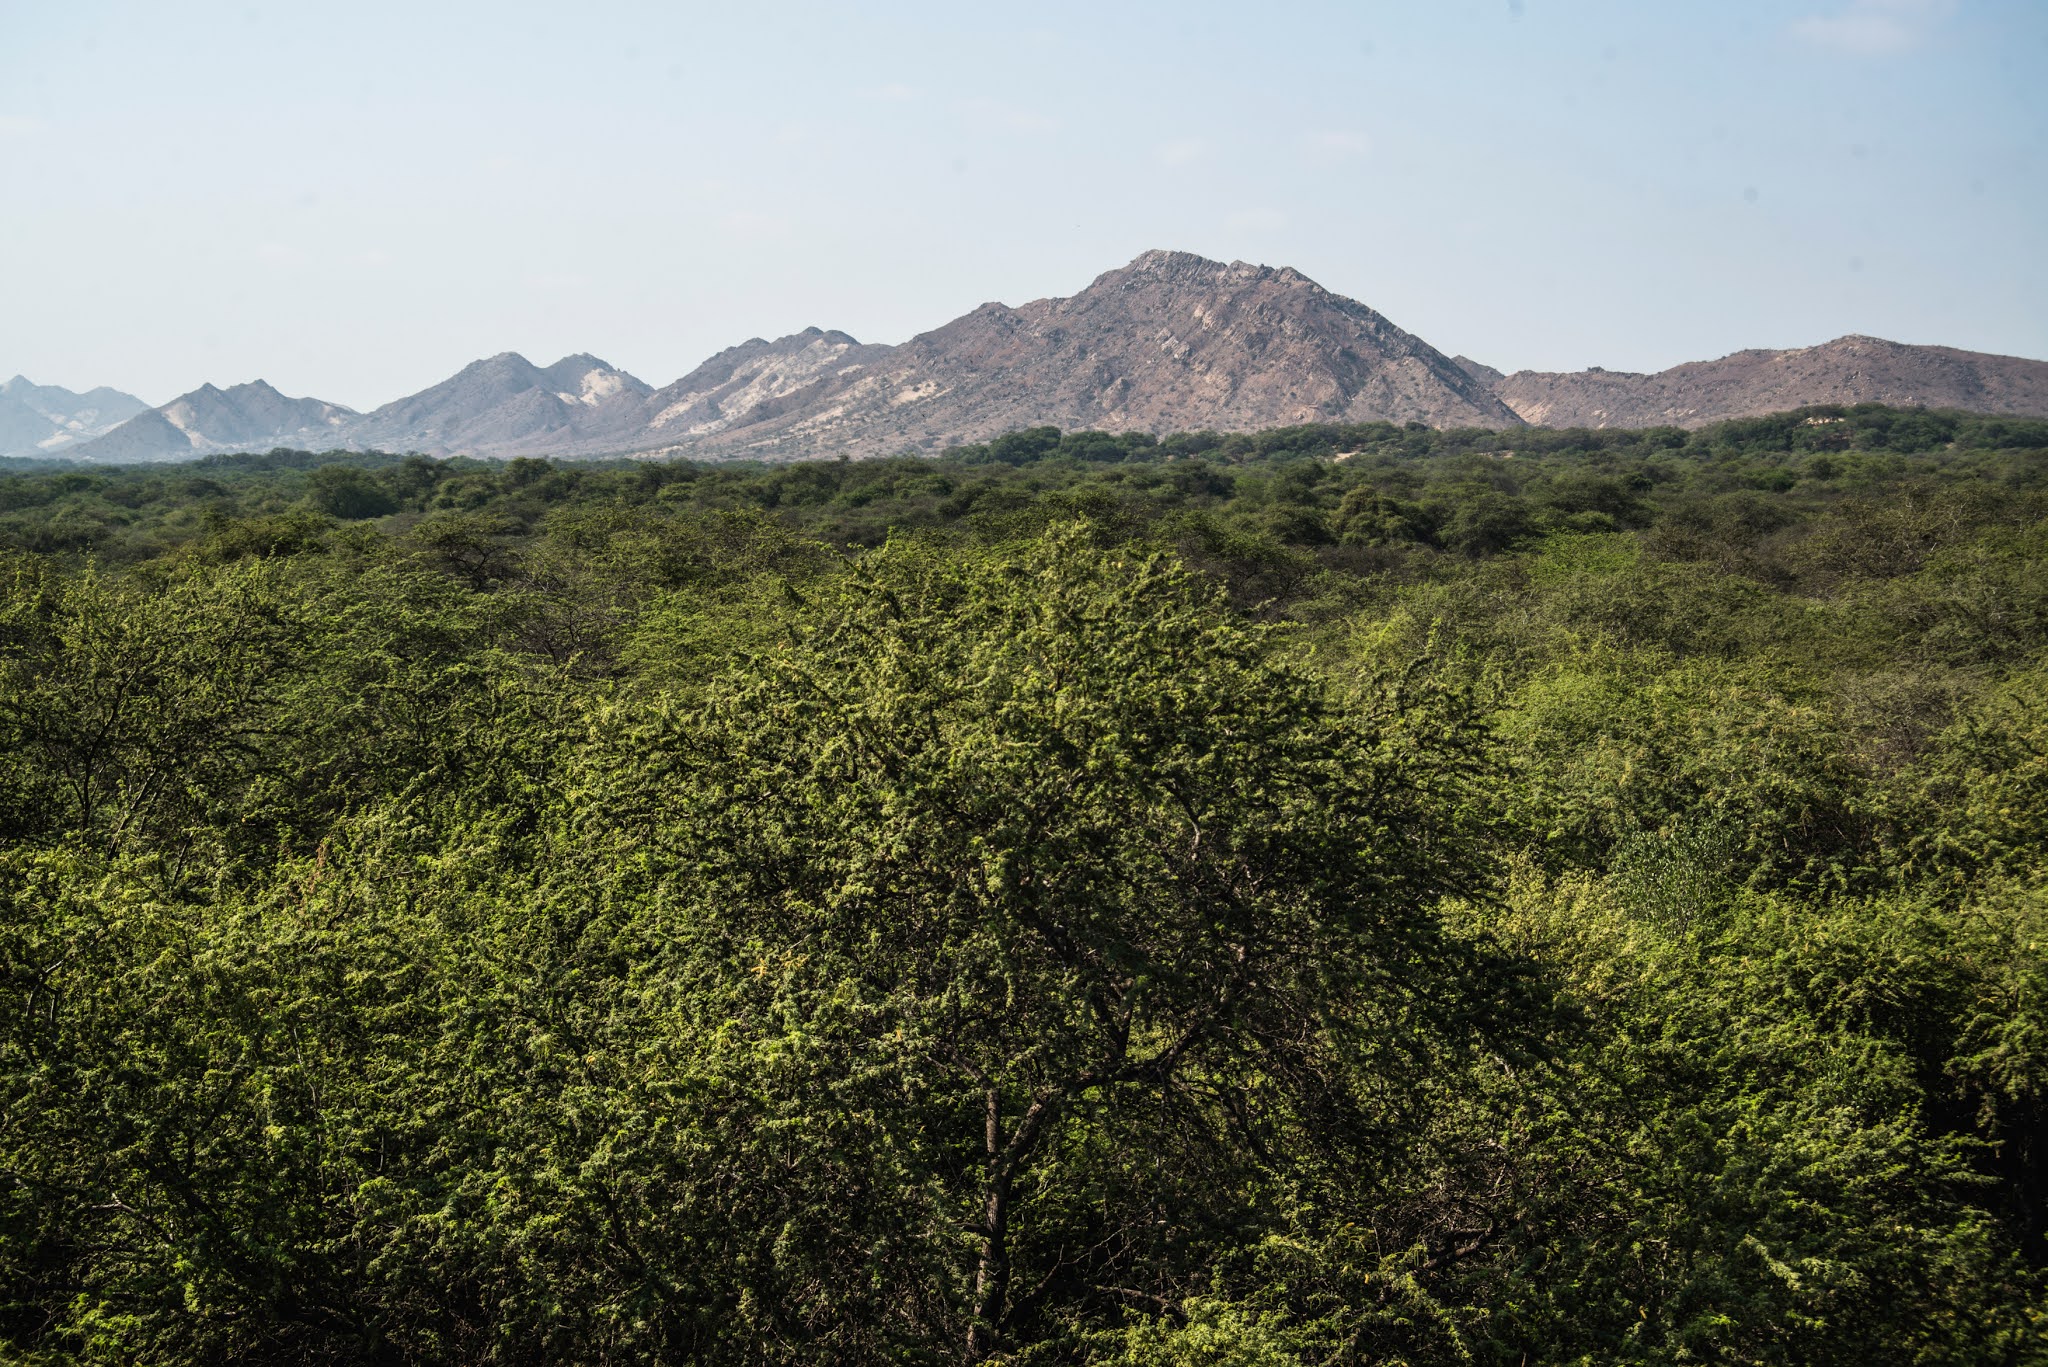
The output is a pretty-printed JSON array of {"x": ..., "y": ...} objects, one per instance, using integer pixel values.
[{"x": 354, "y": 201}]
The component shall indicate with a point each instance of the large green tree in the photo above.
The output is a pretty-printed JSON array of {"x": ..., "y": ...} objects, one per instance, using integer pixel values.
[{"x": 1027, "y": 907}]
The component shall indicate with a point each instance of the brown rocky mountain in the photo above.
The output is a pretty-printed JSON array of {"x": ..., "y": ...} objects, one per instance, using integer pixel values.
[
  {"x": 1169, "y": 341},
  {"x": 1848, "y": 370}
]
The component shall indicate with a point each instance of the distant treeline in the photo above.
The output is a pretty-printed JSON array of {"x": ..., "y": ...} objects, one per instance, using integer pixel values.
[
  {"x": 1273, "y": 494},
  {"x": 1863, "y": 427}
]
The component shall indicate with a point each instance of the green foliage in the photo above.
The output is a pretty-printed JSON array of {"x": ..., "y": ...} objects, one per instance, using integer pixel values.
[
  {"x": 349, "y": 494},
  {"x": 1337, "y": 895}
]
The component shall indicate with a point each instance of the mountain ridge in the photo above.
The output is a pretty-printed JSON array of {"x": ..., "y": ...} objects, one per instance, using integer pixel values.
[
  {"x": 1848, "y": 370},
  {"x": 209, "y": 419},
  {"x": 1170, "y": 340},
  {"x": 47, "y": 420}
]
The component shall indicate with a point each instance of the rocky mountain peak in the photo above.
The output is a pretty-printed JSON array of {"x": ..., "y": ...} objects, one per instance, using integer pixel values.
[
  {"x": 1170, "y": 340},
  {"x": 1187, "y": 266}
]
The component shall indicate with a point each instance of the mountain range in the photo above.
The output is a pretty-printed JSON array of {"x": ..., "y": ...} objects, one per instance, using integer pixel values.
[
  {"x": 208, "y": 419},
  {"x": 1171, "y": 341},
  {"x": 47, "y": 419}
]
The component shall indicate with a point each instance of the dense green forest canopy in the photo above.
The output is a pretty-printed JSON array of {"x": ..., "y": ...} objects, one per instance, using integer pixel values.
[
  {"x": 1345, "y": 894},
  {"x": 1468, "y": 491}
]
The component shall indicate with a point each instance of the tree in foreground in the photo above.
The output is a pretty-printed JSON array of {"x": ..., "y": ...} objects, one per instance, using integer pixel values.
[{"x": 1023, "y": 912}]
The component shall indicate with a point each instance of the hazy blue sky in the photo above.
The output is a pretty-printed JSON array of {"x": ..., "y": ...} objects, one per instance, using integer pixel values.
[{"x": 353, "y": 200}]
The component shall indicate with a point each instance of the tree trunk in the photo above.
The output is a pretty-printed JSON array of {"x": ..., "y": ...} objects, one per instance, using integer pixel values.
[
  {"x": 992, "y": 1275},
  {"x": 992, "y": 1272}
]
